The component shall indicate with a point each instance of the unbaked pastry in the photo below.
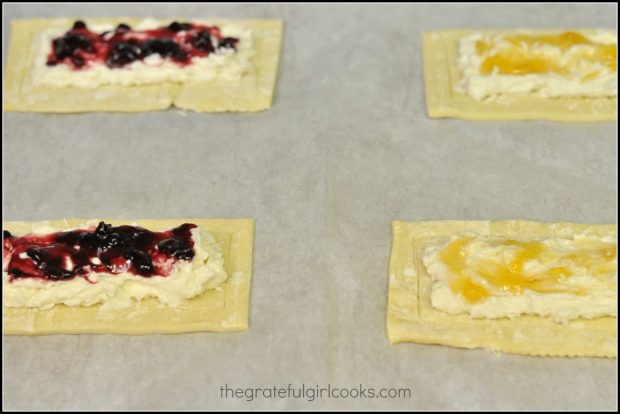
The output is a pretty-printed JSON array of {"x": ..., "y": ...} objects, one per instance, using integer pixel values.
[
  {"x": 29, "y": 83},
  {"x": 412, "y": 316},
  {"x": 446, "y": 96},
  {"x": 222, "y": 308}
]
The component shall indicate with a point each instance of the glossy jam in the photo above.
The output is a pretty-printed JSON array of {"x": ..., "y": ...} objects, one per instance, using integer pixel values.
[
  {"x": 524, "y": 56},
  {"x": 179, "y": 42},
  {"x": 509, "y": 276},
  {"x": 101, "y": 249}
]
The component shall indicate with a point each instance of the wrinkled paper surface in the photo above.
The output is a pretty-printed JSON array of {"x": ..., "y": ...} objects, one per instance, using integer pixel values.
[{"x": 346, "y": 149}]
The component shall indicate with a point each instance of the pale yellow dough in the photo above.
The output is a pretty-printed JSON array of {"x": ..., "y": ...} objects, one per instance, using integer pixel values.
[
  {"x": 411, "y": 316},
  {"x": 223, "y": 309},
  {"x": 441, "y": 74},
  {"x": 253, "y": 93}
]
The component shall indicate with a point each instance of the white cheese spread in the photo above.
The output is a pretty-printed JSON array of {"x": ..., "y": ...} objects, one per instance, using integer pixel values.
[
  {"x": 224, "y": 64},
  {"x": 552, "y": 66},
  {"x": 491, "y": 277}
]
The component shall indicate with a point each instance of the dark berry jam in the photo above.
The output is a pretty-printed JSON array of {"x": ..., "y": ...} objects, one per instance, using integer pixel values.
[
  {"x": 179, "y": 42},
  {"x": 106, "y": 249}
]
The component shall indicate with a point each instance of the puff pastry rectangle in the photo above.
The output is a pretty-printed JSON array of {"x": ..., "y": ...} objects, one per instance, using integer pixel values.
[
  {"x": 440, "y": 53},
  {"x": 411, "y": 316},
  {"x": 253, "y": 93},
  {"x": 223, "y": 309}
]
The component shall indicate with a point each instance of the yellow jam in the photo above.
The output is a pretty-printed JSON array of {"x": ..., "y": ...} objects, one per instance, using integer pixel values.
[
  {"x": 475, "y": 278},
  {"x": 529, "y": 54}
]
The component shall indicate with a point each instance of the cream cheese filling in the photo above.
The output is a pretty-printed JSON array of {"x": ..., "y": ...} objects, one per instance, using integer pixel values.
[
  {"x": 186, "y": 280},
  {"x": 224, "y": 64},
  {"x": 581, "y": 75},
  {"x": 490, "y": 277}
]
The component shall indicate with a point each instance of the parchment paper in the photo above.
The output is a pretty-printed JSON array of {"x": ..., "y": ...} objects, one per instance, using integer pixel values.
[{"x": 346, "y": 149}]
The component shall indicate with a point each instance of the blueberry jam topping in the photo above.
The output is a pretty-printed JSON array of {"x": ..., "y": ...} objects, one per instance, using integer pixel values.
[
  {"x": 177, "y": 27},
  {"x": 123, "y": 53},
  {"x": 79, "y": 25},
  {"x": 179, "y": 42},
  {"x": 123, "y": 27},
  {"x": 105, "y": 249},
  {"x": 228, "y": 43}
]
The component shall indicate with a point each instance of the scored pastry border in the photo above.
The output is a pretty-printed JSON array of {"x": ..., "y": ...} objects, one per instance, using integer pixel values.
[
  {"x": 223, "y": 309},
  {"x": 440, "y": 49},
  {"x": 253, "y": 93},
  {"x": 411, "y": 317}
]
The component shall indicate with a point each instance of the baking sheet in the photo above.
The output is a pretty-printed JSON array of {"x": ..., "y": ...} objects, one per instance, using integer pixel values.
[{"x": 346, "y": 148}]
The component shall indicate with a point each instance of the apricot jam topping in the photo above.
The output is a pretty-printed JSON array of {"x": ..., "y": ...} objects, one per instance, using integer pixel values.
[
  {"x": 518, "y": 266},
  {"x": 538, "y": 54}
]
